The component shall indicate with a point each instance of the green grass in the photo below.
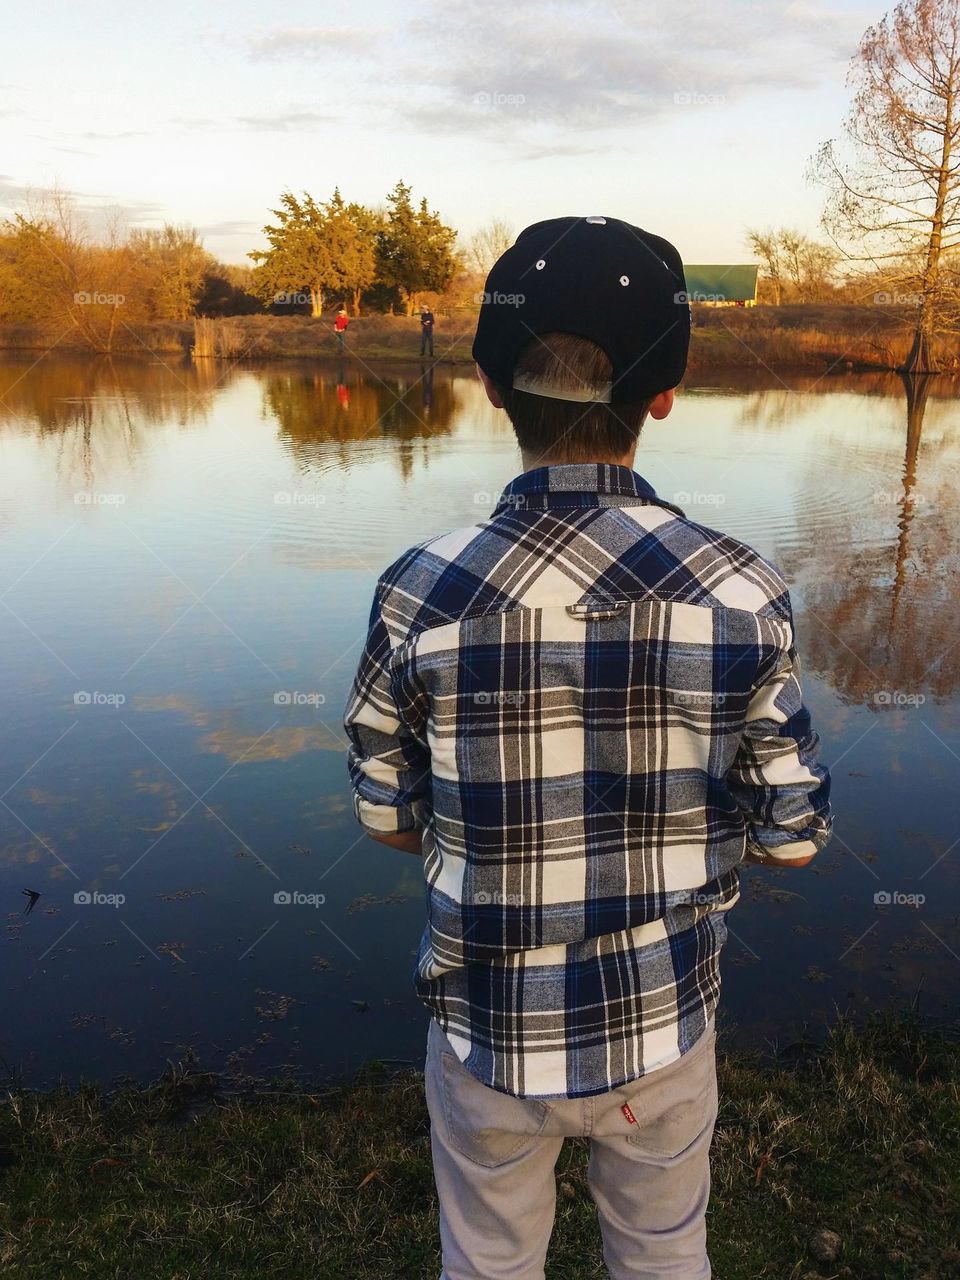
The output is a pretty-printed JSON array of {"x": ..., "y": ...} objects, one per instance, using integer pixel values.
[{"x": 180, "y": 1181}]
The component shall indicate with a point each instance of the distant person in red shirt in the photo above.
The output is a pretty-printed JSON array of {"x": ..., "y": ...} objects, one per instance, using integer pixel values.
[
  {"x": 340, "y": 328},
  {"x": 426, "y": 332}
]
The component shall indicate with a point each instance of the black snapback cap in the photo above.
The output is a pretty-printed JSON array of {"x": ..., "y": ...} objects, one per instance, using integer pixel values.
[{"x": 598, "y": 278}]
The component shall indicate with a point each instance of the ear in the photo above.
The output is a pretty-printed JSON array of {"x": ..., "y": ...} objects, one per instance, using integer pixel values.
[
  {"x": 661, "y": 404},
  {"x": 490, "y": 389}
]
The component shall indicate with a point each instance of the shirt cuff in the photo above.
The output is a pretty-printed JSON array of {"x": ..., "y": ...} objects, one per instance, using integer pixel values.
[{"x": 384, "y": 819}]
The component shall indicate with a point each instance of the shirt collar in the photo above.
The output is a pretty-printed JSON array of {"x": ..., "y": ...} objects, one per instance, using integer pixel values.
[{"x": 577, "y": 484}]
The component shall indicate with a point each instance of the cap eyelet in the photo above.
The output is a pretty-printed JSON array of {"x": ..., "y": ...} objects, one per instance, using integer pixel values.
[
  {"x": 624, "y": 280},
  {"x": 540, "y": 264}
]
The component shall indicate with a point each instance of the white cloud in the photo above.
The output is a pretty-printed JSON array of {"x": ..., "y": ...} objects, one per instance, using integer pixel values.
[
  {"x": 312, "y": 42},
  {"x": 490, "y": 71}
]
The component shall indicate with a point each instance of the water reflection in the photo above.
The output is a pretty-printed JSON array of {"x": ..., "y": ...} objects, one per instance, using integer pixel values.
[
  {"x": 200, "y": 544},
  {"x": 884, "y": 598},
  {"x": 348, "y": 405}
]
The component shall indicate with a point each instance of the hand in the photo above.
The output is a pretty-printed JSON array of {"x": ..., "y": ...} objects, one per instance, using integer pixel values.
[
  {"x": 405, "y": 841},
  {"x": 764, "y": 860}
]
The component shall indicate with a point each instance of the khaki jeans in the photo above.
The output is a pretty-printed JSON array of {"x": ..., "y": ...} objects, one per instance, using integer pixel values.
[{"x": 494, "y": 1158}]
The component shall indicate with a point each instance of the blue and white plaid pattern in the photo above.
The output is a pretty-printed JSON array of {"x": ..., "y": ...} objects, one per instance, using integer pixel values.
[{"x": 591, "y": 705}]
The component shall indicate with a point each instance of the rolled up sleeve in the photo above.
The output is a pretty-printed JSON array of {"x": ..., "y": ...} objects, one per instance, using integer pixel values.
[
  {"x": 389, "y": 765},
  {"x": 777, "y": 779}
]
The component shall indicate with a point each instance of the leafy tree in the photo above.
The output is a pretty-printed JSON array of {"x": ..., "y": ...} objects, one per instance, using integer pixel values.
[
  {"x": 175, "y": 264},
  {"x": 414, "y": 248},
  {"x": 353, "y": 230},
  {"x": 55, "y": 276},
  {"x": 30, "y": 273},
  {"x": 302, "y": 256}
]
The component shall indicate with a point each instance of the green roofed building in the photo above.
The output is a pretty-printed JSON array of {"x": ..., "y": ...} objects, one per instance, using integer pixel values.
[{"x": 722, "y": 286}]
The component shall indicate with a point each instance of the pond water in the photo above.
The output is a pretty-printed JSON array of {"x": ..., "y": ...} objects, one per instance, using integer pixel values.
[{"x": 188, "y": 557}]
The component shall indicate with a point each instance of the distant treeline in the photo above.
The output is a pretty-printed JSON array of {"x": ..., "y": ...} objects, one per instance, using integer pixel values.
[
  {"x": 57, "y": 276},
  {"x": 120, "y": 289}
]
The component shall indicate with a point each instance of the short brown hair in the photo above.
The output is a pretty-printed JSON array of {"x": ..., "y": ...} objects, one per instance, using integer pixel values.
[{"x": 568, "y": 430}]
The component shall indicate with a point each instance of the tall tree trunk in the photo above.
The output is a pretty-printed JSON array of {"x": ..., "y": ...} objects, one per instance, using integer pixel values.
[
  {"x": 921, "y": 359},
  {"x": 316, "y": 302},
  {"x": 356, "y": 301}
]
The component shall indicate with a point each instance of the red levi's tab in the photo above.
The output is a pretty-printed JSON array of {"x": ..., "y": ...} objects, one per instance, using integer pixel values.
[{"x": 628, "y": 1113}]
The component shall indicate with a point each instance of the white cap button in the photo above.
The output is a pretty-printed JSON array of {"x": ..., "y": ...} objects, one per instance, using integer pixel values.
[{"x": 596, "y": 218}]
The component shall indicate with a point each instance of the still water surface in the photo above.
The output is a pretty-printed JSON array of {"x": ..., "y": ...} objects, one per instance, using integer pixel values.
[{"x": 187, "y": 557}]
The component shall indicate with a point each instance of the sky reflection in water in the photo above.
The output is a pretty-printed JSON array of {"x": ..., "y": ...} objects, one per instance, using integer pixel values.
[{"x": 203, "y": 543}]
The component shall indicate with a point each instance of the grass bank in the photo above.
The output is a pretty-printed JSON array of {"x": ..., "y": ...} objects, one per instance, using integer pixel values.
[
  {"x": 815, "y": 337},
  {"x": 842, "y": 1161}
]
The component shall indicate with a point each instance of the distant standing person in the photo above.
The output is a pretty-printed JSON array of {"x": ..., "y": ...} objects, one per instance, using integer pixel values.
[
  {"x": 426, "y": 332},
  {"x": 340, "y": 328}
]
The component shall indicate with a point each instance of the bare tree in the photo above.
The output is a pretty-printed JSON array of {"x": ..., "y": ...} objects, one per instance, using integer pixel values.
[
  {"x": 766, "y": 245},
  {"x": 794, "y": 263},
  {"x": 895, "y": 183},
  {"x": 487, "y": 244},
  {"x": 793, "y": 244}
]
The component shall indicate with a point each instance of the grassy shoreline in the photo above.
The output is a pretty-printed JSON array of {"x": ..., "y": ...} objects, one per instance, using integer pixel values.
[
  {"x": 860, "y": 1137},
  {"x": 811, "y": 336}
]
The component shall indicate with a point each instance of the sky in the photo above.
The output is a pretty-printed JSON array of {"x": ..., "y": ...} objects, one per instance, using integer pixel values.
[{"x": 692, "y": 120}]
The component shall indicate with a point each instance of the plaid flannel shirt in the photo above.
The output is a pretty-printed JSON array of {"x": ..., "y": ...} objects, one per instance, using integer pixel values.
[{"x": 591, "y": 706}]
